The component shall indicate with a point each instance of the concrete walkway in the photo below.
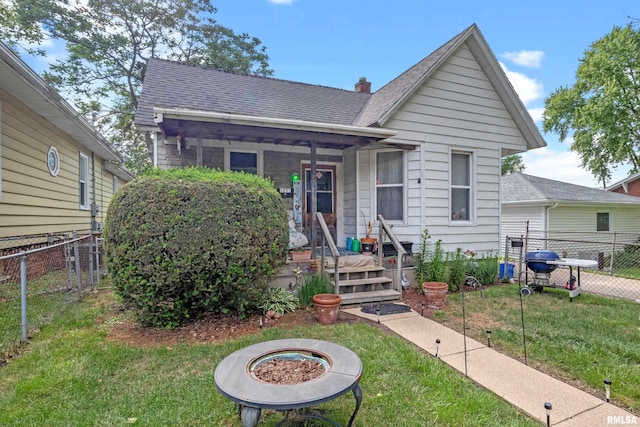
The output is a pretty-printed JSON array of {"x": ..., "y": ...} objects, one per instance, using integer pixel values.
[{"x": 517, "y": 383}]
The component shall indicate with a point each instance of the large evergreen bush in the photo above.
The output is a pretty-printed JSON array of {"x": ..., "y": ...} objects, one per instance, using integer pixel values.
[{"x": 187, "y": 241}]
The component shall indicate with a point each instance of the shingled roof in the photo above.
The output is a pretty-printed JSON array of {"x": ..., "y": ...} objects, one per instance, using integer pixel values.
[
  {"x": 519, "y": 188},
  {"x": 174, "y": 85}
]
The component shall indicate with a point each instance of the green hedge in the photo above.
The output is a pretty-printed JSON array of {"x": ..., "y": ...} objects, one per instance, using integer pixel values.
[{"x": 187, "y": 241}]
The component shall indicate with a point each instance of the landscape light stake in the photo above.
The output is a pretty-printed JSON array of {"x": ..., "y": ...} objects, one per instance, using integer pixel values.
[
  {"x": 260, "y": 322},
  {"x": 378, "y": 312},
  {"x": 607, "y": 388},
  {"x": 437, "y": 346},
  {"x": 547, "y": 407},
  {"x": 422, "y": 309},
  {"x": 489, "y": 337},
  {"x": 464, "y": 332},
  {"x": 524, "y": 338}
]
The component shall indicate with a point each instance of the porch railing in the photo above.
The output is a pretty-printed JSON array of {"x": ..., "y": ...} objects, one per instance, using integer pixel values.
[
  {"x": 327, "y": 240},
  {"x": 385, "y": 229}
]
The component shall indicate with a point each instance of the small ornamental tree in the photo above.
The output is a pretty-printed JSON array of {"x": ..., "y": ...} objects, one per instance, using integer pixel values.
[{"x": 187, "y": 241}]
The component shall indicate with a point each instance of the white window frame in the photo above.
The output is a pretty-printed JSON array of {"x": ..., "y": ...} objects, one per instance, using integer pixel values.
[
  {"x": 374, "y": 174},
  {"x": 258, "y": 153},
  {"x": 56, "y": 156},
  {"x": 116, "y": 184},
  {"x": 84, "y": 199},
  {"x": 471, "y": 216}
]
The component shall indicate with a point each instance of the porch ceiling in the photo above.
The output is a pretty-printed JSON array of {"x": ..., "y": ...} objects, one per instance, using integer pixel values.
[
  {"x": 235, "y": 128},
  {"x": 235, "y": 133}
]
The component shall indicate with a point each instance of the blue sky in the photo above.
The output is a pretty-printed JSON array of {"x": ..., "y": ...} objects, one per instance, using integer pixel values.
[{"x": 334, "y": 42}]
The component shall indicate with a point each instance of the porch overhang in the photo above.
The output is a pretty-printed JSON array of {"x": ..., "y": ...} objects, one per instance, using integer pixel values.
[{"x": 243, "y": 128}]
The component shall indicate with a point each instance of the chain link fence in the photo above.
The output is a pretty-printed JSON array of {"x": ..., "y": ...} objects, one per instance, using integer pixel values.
[
  {"x": 615, "y": 258},
  {"x": 40, "y": 276}
]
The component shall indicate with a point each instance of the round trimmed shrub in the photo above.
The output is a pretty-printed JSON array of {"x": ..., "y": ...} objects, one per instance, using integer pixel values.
[{"x": 187, "y": 241}]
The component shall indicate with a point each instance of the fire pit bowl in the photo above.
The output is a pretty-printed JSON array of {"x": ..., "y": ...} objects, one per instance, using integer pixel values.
[
  {"x": 236, "y": 380},
  {"x": 537, "y": 261}
]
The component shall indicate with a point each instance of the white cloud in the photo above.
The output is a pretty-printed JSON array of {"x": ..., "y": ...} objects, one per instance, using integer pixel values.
[
  {"x": 527, "y": 88},
  {"x": 536, "y": 114},
  {"x": 526, "y": 58},
  {"x": 281, "y": 1},
  {"x": 557, "y": 165}
]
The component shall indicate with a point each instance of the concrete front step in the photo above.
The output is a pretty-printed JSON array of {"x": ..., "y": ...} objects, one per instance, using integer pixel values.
[{"x": 358, "y": 298}]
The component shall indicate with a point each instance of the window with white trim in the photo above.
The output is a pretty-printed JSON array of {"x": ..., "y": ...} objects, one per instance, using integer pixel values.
[
  {"x": 84, "y": 181},
  {"x": 461, "y": 199},
  {"x": 116, "y": 184},
  {"x": 602, "y": 221},
  {"x": 389, "y": 170}
]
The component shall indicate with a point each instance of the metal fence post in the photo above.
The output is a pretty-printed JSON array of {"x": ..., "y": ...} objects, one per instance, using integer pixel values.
[
  {"x": 23, "y": 295},
  {"x": 613, "y": 254},
  {"x": 91, "y": 264},
  {"x": 77, "y": 260}
]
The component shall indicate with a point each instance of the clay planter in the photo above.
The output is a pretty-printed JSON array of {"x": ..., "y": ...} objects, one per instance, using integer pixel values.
[
  {"x": 300, "y": 255},
  {"x": 435, "y": 293},
  {"x": 327, "y": 307}
]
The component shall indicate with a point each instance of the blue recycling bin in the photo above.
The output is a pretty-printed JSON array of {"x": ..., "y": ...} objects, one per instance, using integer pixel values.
[{"x": 510, "y": 270}]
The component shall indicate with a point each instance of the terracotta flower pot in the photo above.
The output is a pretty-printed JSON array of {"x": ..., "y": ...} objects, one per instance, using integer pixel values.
[
  {"x": 435, "y": 293},
  {"x": 327, "y": 307}
]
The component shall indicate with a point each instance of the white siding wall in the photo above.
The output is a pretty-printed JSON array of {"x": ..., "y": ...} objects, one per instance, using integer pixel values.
[
  {"x": 513, "y": 222},
  {"x": 458, "y": 109}
]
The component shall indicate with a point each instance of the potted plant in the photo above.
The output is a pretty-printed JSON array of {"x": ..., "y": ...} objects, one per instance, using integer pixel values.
[
  {"x": 317, "y": 288},
  {"x": 300, "y": 254},
  {"x": 435, "y": 287}
]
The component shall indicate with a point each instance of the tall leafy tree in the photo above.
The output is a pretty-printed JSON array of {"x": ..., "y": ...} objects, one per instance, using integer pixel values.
[
  {"x": 108, "y": 45},
  {"x": 602, "y": 107},
  {"x": 512, "y": 163}
]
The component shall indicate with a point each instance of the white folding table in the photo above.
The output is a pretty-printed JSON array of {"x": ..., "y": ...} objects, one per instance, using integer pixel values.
[{"x": 577, "y": 263}]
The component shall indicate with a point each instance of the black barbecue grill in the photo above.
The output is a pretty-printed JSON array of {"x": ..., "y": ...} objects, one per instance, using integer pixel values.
[{"x": 537, "y": 263}]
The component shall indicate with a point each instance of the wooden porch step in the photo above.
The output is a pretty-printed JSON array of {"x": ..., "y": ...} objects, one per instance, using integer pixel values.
[
  {"x": 359, "y": 298},
  {"x": 368, "y": 281},
  {"x": 356, "y": 269}
]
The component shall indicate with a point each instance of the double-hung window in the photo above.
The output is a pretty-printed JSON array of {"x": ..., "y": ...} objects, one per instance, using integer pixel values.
[
  {"x": 390, "y": 185},
  {"x": 461, "y": 186},
  {"x": 602, "y": 221},
  {"x": 84, "y": 181}
]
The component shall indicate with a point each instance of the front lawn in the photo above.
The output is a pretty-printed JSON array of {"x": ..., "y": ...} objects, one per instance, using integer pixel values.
[{"x": 73, "y": 373}]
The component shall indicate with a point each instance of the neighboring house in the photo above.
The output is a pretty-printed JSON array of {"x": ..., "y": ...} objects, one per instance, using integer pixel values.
[
  {"x": 57, "y": 174},
  {"x": 552, "y": 207},
  {"x": 630, "y": 185},
  {"x": 423, "y": 151}
]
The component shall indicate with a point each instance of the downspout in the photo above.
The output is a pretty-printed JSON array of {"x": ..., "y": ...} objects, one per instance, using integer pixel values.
[
  {"x": 94, "y": 205},
  {"x": 546, "y": 226}
]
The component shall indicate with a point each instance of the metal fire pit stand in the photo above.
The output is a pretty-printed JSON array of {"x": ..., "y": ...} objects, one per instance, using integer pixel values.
[{"x": 234, "y": 380}]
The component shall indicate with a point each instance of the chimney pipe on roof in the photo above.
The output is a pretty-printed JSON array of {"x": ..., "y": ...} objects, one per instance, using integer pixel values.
[{"x": 363, "y": 86}]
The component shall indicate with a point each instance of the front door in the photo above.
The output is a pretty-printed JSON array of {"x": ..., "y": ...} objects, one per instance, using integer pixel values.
[{"x": 326, "y": 195}]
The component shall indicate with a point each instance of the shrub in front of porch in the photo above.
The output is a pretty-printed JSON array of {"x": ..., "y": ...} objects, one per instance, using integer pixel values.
[{"x": 187, "y": 241}]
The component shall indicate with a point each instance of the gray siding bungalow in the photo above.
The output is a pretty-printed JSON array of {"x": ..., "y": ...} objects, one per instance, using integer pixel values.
[{"x": 423, "y": 151}]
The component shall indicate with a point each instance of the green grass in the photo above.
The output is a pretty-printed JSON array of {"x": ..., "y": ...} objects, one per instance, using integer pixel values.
[
  {"x": 582, "y": 342},
  {"x": 70, "y": 374}
]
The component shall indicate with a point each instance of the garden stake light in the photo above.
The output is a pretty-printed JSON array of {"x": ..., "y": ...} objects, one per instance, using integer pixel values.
[
  {"x": 437, "y": 346},
  {"x": 607, "y": 388},
  {"x": 378, "y": 312},
  {"x": 489, "y": 337},
  {"x": 547, "y": 407},
  {"x": 422, "y": 309}
]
